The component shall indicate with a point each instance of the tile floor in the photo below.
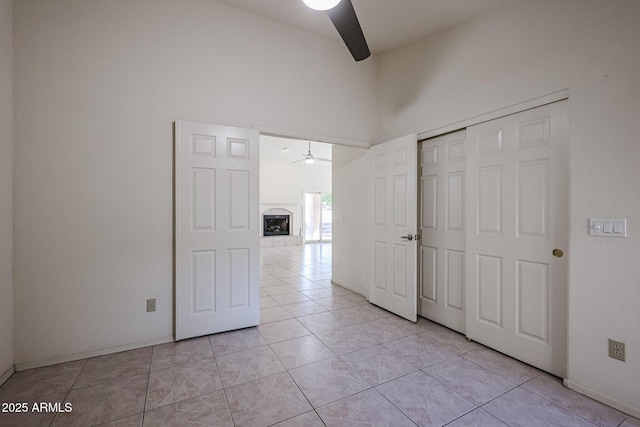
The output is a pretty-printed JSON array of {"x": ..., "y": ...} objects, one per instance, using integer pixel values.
[{"x": 321, "y": 356}]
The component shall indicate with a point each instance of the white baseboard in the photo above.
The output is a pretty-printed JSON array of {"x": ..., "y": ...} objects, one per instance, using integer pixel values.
[
  {"x": 634, "y": 412},
  {"x": 4, "y": 377},
  {"x": 349, "y": 288},
  {"x": 86, "y": 354}
]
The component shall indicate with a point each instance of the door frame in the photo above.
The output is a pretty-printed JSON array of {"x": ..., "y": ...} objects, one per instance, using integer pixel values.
[
  {"x": 539, "y": 101},
  {"x": 304, "y": 214}
]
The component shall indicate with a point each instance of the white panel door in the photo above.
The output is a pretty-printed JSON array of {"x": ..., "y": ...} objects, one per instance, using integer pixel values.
[
  {"x": 216, "y": 229},
  {"x": 443, "y": 229},
  {"x": 517, "y": 215},
  {"x": 393, "y": 206}
]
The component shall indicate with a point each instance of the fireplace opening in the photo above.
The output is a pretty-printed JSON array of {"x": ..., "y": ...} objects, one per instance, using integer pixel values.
[{"x": 275, "y": 225}]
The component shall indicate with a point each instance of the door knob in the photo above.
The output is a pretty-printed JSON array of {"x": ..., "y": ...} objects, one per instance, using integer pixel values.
[
  {"x": 557, "y": 253},
  {"x": 407, "y": 237}
]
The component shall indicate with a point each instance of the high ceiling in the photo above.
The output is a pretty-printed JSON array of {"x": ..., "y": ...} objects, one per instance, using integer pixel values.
[{"x": 386, "y": 24}]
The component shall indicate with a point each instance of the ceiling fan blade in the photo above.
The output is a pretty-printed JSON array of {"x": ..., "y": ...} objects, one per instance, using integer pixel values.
[
  {"x": 346, "y": 22},
  {"x": 301, "y": 160},
  {"x": 322, "y": 160}
]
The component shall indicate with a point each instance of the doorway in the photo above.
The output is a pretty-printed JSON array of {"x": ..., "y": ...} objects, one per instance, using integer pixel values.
[
  {"x": 296, "y": 177},
  {"x": 317, "y": 217}
]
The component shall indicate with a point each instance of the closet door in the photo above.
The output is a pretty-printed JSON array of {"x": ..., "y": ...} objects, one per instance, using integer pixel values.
[
  {"x": 443, "y": 230},
  {"x": 517, "y": 221}
]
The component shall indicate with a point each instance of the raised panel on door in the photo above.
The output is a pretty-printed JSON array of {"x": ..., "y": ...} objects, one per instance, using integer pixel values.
[
  {"x": 393, "y": 206},
  {"x": 400, "y": 201},
  {"x": 380, "y": 201},
  {"x": 238, "y": 148},
  {"x": 489, "y": 142},
  {"x": 239, "y": 277},
  {"x": 380, "y": 265},
  {"x": 400, "y": 255},
  {"x": 516, "y": 288},
  {"x": 532, "y": 301},
  {"x": 216, "y": 232},
  {"x": 203, "y": 145},
  {"x": 489, "y": 290},
  {"x": 442, "y": 210},
  {"x": 455, "y": 201},
  {"x": 428, "y": 257},
  {"x": 532, "y": 198},
  {"x": 429, "y": 201},
  {"x": 203, "y": 291},
  {"x": 203, "y": 199},
  {"x": 489, "y": 212},
  {"x": 239, "y": 200},
  {"x": 454, "y": 280}
]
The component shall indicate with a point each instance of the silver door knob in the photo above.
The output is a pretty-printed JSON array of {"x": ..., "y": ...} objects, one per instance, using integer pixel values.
[{"x": 407, "y": 237}]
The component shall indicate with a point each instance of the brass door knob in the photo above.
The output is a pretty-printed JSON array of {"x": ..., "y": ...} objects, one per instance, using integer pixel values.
[{"x": 557, "y": 253}]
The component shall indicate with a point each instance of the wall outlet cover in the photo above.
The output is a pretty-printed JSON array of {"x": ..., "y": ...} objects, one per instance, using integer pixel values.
[{"x": 617, "y": 350}]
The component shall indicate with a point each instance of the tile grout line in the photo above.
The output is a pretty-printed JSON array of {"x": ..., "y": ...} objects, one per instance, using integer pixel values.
[
  {"x": 146, "y": 392},
  {"x": 66, "y": 396}
]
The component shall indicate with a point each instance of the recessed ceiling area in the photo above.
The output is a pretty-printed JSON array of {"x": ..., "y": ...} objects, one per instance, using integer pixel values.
[{"x": 387, "y": 24}]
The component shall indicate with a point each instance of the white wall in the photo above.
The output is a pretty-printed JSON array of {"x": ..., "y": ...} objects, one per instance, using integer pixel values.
[
  {"x": 521, "y": 52},
  {"x": 6, "y": 189},
  {"x": 98, "y": 85},
  {"x": 350, "y": 236}
]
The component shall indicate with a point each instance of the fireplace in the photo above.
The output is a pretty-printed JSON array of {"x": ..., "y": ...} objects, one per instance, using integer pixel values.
[{"x": 275, "y": 225}]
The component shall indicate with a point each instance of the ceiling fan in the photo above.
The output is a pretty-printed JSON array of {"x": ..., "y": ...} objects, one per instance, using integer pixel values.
[
  {"x": 343, "y": 16},
  {"x": 310, "y": 158}
]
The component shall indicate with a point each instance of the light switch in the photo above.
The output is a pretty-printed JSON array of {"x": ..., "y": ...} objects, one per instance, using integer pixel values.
[
  {"x": 608, "y": 227},
  {"x": 617, "y": 227}
]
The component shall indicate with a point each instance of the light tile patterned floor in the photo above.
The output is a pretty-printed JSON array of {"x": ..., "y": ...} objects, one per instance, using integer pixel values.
[{"x": 322, "y": 356}]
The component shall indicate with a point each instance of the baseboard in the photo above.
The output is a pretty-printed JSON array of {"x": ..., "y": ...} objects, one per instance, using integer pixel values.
[
  {"x": 634, "y": 412},
  {"x": 349, "y": 288},
  {"x": 87, "y": 354},
  {"x": 4, "y": 377}
]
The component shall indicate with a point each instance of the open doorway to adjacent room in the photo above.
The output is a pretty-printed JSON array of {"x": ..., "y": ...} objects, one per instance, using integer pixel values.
[{"x": 295, "y": 191}]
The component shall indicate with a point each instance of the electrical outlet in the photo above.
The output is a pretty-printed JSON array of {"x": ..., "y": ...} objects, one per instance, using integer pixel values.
[
  {"x": 151, "y": 305},
  {"x": 616, "y": 350}
]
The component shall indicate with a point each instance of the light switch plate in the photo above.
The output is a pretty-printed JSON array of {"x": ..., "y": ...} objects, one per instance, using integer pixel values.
[{"x": 608, "y": 227}]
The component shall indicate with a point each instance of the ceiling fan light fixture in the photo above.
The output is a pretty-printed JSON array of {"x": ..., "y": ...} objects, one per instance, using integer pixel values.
[
  {"x": 309, "y": 161},
  {"x": 321, "y": 4}
]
